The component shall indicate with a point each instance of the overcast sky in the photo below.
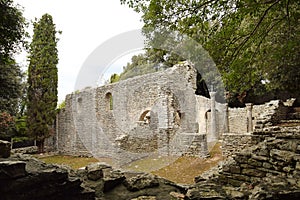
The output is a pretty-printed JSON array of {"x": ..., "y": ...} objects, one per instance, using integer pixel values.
[{"x": 85, "y": 25}]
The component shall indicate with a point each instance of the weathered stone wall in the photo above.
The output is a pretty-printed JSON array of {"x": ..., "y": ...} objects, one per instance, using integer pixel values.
[
  {"x": 239, "y": 136},
  {"x": 237, "y": 120},
  {"x": 276, "y": 154},
  {"x": 24, "y": 177},
  {"x": 132, "y": 118},
  {"x": 157, "y": 112},
  {"x": 203, "y": 113},
  {"x": 233, "y": 143}
]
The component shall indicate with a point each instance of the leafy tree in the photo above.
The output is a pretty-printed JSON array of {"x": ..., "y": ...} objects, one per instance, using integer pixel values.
[
  {"x": 6, "y": 125},
  {"x": 114, "y": 78},
  {"x": 12, "y": 38},
  {"x": 12, "y": 34},
  {"x": 10, "y": 86},
  {"x": 12, "y": 28},
  {"x": 42, "y": 80},
  {"x": 255, "y": 44}
]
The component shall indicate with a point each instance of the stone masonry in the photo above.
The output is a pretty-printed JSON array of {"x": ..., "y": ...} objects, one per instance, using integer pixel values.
[
  {"x": 128, "y": 120},
  {"x": 156, "y": 113}
]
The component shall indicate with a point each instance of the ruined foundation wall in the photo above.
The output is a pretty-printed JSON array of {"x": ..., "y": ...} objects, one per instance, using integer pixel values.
[
  {"x": 109, "y": 119},
  {"x": 264, "y": 115}
]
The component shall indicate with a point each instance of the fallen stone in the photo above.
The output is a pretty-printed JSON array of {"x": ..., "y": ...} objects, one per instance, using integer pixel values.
[
  {"x": 26, "y": 150},
  {"x": 253, "y": 172},
  {"x": 4, "y": 149},
  {"x": 95, "y": 171},
  {"x": 12, "y": 169},
  {"x": 145, "y": 198},
  {"x": 282, "y": 155},
  {"x": 141, "y": 182},
  {"x": 112, "y": 179},
  {"x": 176, "y": 195}
]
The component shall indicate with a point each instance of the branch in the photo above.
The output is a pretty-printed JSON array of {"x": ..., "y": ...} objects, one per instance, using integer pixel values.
[{"x": 254, "y": 30}]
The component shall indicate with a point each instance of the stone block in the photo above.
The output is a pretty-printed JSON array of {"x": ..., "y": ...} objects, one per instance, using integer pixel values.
[
  {"x": 282, "y": 155},
  {"x": 95, "y": 171},
  {"x": 12, "y": 169},
  {"x": 253, "y": 172},
  {"x": 141, "y": 182},
  {"x": 4, "y": 149},
  {"x": 254, "y": 162},
  {"x": 26, "y": 150},
  {"x": 241, "y": 158},
  {"x": 267, "y": 165},
  {"x": 241, "y": 177},
  {"x": 297, "y": 166},
  {"x": 260, "y": 158},
  {"x": 112, "y": 179}
]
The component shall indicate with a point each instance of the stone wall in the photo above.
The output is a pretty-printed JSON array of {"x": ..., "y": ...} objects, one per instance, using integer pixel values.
[
  {"x": 276, "y": 154},
  {"x": 132, "y": 118},
  {"x": 240, "y": 134},
  {"x": 156, "y": 112},
  {"x": 24, "y": 177},
  {"x": 237, "y": 120}
]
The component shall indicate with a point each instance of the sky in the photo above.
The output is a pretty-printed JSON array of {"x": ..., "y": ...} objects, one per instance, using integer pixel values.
[{"x": 85, "y": 25}]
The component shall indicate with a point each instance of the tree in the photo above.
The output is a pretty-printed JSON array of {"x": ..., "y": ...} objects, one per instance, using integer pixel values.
[
  {"x": 255, "y": 44},
  {"x": 42, "y": 80},
  {"x": 114, "y": 78},
  {"x": 12, "y": 35},
  {"x": 12, "y": 28},
  {"x": 12, "y": 38}
]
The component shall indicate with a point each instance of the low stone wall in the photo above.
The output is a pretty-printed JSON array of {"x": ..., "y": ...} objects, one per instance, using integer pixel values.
[
  {"x": 233, "y": 143},
  {"x": 24, "y": 177},
  {"x": 277, "y": 154},
  {"x": 240, "y": 134}
]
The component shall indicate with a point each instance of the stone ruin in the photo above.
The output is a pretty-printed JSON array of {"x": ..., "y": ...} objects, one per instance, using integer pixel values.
[
  {"x": 156, "y": 113},
  {"x": 261, "y": 160}
]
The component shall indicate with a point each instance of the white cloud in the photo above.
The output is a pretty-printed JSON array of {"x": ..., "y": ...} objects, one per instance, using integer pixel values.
[{"x": 84, "y": 25}]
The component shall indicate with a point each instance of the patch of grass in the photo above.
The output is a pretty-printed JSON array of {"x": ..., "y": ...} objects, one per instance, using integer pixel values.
[
  {"x": 150, "y": 164},
  {"x": 185, "y": 169},
  {"x": 71, "y": 161},
  {"x": 180, "y": 170}
]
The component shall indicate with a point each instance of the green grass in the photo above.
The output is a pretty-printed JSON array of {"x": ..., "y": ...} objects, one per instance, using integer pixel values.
[
  {"x": 180, "y": 170},
  {"x": 71, "y": 161},
  {"x": 150, "y": 164},
  {"x": 185, "y": 168}
]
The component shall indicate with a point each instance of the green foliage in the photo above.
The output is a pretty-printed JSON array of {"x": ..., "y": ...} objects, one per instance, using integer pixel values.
[
  {"x": 6, "y": 125},
  {"x": 255, "y": 44},
  {"x": 62, "y": 105},
  {"x": 10, "y": 86},
  {"x": 12, "y": 34},
  {"x": 42, "y": 80},
  {"x": 20, "y": 139},
  {"x": 12, "y": 28},
  {"x": 114, "y": 78},
  {"x": 21, "y": 126},
  {"x": 148, "y": 62}
]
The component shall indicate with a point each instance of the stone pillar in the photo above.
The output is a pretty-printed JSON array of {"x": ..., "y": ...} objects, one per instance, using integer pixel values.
[
  {"x": 226, "y": 119},
  {"x": 249, "y": 117},
  {"x": 213, "y": 125}
]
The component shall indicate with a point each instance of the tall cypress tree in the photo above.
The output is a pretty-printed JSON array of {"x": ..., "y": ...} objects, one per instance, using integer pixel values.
[{"x": 42, "y": 80}]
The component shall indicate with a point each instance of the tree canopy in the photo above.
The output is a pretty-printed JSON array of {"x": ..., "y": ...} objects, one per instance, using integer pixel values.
[
  {"x": 42, "y": 80},
  {"x": 255, "y": 44},
  {"x": 12, "y": 35}
]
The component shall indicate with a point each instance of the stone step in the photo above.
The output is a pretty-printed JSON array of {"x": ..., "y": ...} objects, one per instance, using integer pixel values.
[{"x": 290, "y": 121}]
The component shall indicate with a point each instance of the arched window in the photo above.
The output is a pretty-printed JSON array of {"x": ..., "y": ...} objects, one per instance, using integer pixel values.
[
  {"x": 145, "y": 117},
  {"x": 109, "y": 101}
]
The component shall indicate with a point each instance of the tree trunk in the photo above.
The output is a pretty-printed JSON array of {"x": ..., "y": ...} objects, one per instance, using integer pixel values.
[{"x": 40, "y": 145}]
